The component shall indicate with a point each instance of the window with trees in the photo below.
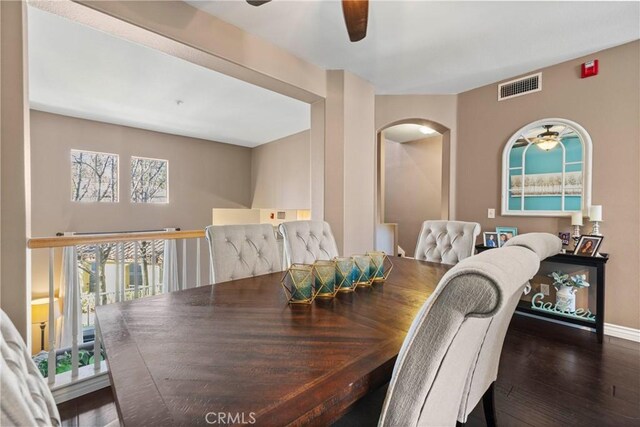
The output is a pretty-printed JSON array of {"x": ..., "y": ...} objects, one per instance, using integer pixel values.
[
  {"x": 149, "y": 180},
  {"x": 94, "y": 176},
  {"x": 546, "y": 169}
]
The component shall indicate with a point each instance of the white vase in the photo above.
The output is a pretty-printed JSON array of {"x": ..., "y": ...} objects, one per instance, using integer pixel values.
[{"x": 566, "y": 299}]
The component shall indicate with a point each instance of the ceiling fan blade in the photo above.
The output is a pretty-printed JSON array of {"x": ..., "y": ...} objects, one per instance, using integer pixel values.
[
  {"x": 257, "y": 2},
  {"x": 356, "y": 14}
]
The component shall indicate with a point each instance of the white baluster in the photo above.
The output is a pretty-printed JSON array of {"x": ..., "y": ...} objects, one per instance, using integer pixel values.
[
  {"x": 153, "y": 267},
  {"x": 96, "y": 341},
  {"x": 184, "y": 264},
  {"x": 198, "y": 262},
  {"x": 51, "y": 368},
  {"x": 123, "y": 296},
  {"x": 75, "y": 303},
  {"x": 136, "y": 279}
]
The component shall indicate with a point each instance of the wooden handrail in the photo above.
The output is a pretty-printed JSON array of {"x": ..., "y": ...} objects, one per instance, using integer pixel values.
[{"x": 83, "y": 239}]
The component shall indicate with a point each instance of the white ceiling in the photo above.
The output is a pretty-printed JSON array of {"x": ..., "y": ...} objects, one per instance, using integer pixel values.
[
  {"x": 406, "y": 132},
  {"x": 421, "y": 47},
  {"x": 81, "y": 72}
]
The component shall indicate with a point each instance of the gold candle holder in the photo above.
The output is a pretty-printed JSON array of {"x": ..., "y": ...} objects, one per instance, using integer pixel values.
[
  {"x": 380, "y": 267},
  {"x": 324, "y": 273},
  {"x": 298, "y": 284},
  {"x": 361, "y": 271},
  {"x": 344, "y": 274}
]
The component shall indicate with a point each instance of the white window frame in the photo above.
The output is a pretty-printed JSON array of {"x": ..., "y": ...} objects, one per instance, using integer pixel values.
[{"x": 587, "y": 150}]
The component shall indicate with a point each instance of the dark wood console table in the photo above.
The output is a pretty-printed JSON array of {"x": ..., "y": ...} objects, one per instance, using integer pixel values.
[{"x": 541, "y": 300}]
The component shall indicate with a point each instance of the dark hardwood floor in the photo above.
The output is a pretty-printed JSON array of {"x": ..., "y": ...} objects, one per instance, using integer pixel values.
[{"x": 550, "y": 375}]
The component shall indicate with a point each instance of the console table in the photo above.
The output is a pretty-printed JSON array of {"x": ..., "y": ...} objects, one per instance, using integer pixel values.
[{"x": 540, "y": 302}]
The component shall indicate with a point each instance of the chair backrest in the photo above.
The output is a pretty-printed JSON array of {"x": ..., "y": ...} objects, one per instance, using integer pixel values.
[
  {"x": 485, "y": 370},
  {"x": 447, "y": 242},
  {"x": 306, "y": 242},
  {"x": 543, "y": 244},
  {"x": 238, "y": 251},
  {"x": 430, "y": 378},
  {"x": 26, "y": 399}
]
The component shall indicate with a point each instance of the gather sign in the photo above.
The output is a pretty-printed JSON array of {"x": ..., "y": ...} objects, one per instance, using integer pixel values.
[{"x": 537, "y": 303}]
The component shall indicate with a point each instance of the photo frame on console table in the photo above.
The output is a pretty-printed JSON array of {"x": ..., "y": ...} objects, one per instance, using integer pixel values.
[{"x": 588, "y": 245}]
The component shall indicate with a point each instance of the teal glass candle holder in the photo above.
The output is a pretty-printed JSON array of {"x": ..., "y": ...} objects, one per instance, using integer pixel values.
[
  {"x": 381, "y": 266},
  {"x": 324, "y": 273},
  {"x": 344, "y": 274},
  {"x": 361, "y": 270},
  {"x": 298, "y": 284}
]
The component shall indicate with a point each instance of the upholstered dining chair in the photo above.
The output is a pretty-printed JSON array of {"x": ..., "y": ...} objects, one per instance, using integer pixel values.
[
  {"x": 306, "y": 242},
  {"x": 239, "y": 251},
  {"x": 26, "y": 399},
  {"x": 447, "y": 242},
  {"x": 482, "y": 377},
  {"x": 454, "y": 336}
]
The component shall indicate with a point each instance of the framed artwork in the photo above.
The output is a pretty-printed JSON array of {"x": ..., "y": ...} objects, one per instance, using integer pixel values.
[
  {"x": 588, "y": 245},
  {"x": 490, "y": 239},
  {"x": 505, "y": 233}
]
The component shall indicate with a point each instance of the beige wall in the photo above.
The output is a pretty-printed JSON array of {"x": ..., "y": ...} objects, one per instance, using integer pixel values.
[
  {"x": 14, "y": 155},
  {"x": 416, "y": 165},
  {"x": 350, "y": 155},
  {"x": 608, "y": 107},
  {"x": 202, "y": 175},
  {"x": 439, "y": 109},
  {"x": 281, "y": 174}
]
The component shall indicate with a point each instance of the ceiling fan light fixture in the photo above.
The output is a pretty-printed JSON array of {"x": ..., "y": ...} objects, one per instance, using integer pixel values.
[{"x": 547, "y": 139}]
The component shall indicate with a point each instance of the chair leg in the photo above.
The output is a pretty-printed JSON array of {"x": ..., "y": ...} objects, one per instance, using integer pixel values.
[{"x": 488, "y": 403}]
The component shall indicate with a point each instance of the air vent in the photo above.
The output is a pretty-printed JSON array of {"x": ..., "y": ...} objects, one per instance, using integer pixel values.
[{"x": 521, "y": 86}]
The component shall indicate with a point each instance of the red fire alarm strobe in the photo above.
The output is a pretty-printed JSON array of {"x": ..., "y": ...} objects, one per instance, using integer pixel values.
[{"x": 590, "y": 68}]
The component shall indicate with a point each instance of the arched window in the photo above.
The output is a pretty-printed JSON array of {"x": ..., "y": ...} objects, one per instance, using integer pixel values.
[{"x": 546, "y": 169}]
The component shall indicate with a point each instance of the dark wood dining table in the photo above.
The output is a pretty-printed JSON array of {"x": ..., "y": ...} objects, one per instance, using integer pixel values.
[{"x": 237, "y": 350}]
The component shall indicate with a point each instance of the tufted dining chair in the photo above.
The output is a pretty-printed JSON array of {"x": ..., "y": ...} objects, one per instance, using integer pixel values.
[
  {"x": 306, "y": 242},
  {"x": 26, "y": 398},
  {"x": 456, "y": 332},
  {"x": 239, "y": 251},
  {"x": 446, "y": 242},
  {"x": 482, "y": 377}
]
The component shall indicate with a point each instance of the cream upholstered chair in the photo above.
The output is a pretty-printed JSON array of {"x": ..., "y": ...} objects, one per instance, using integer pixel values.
[
  {"x": 306, "y": 242},
  {"x": 454, "y": 336},
  {"x": 482, "y": 377},
  {"x": 543, "y": 244},
  {"x": 447, "y": 242},
  {"x": 239, "y": 251},
  {"x": 26, "y": 399}
]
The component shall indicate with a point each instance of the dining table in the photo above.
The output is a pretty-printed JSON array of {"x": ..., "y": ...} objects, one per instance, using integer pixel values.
[{"x": 238, "y": 353}]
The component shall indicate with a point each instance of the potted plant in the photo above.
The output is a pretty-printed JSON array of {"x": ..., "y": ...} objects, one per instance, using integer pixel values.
[{"x": 566, "y": 287}]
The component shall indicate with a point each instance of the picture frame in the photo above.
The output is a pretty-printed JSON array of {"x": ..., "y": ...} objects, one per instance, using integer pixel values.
[
  {"x": 588, "y": 245},
  {"x": 565, "y": 236},
  {"x": 490, "y": 239},
  {"x": 505, "y": 233}
]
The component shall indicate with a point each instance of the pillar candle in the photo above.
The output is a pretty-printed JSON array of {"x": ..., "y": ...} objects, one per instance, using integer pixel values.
[
  {"x": 576, "y": 218},
  {"x": 595, "y": 213}
]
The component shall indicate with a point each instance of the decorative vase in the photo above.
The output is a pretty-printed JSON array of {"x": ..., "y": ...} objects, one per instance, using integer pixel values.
[{"x": 566, "y": 299}]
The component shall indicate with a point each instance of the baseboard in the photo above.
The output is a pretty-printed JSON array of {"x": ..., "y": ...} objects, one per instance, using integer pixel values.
[{"x": 622, "y": 332}]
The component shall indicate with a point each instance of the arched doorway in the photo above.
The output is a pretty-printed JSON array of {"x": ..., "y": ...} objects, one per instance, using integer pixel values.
[{"x": 412, "y": 180}]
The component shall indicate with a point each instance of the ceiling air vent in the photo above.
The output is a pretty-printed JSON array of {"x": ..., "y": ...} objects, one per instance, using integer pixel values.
[{"x": 521, "y": 86}]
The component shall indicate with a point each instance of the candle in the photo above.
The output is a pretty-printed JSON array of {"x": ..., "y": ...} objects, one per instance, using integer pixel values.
[
  {"x": 344, "y": 276},
  {"x": 301, "y": 282},
  {"x": 576, "y": 218},
  {"x": 377, "y": 266},
  {"x": 595, "y": 213},
  {"x": 362, "y": 264},
  {"x": 325, "y": 278}
]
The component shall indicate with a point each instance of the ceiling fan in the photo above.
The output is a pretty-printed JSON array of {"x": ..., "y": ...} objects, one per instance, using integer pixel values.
[{"x": 356, "y": 14}]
